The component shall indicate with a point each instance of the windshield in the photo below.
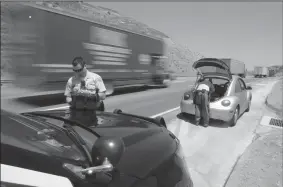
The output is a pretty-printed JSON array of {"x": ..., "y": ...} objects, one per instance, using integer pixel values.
[
  {"x": 217, "y": 81},
  {"x": 37, "y": 135},
  {"x": 88, "y": 137},
  {"x": 211, "y": 69}
]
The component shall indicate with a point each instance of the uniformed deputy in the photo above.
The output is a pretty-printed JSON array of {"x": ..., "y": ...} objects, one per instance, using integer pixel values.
[
  {"x": 84, "y": 92},
  {"x": 204, "y": 88}
]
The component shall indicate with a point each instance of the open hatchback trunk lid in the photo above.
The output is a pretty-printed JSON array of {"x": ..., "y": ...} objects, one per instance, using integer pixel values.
[{"x": 212, "y": 67}]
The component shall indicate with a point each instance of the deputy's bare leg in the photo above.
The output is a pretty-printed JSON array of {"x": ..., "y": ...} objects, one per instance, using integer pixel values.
[
  {"x": 197, "y": 114},
  {"x": 205, "y": 110}
]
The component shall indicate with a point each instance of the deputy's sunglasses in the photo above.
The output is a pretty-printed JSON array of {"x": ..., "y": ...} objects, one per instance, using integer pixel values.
[{"x": 78, "y": 70}]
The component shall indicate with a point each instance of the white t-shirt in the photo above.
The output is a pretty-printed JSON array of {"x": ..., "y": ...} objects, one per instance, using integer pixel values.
[{"x": 203, "y": 87}]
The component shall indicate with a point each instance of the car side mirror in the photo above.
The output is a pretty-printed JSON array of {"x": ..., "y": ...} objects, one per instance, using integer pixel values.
[
  {"x": 106, "y": 154},
  {"x": 249, "y": 88}
]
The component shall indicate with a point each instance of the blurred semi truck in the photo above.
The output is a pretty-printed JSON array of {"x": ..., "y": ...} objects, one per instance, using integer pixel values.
[
  {"x": 257, "y": 71},
  {"x": 39, "y": 43},
  {"x": 260, "y": 71},
  {"x": 236, "y": 67}
]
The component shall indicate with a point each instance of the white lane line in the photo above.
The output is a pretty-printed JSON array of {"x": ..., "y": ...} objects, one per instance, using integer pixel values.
[
  {"x": 260, "y": 84},
  {"x": 165, "y": 112},
  {"x": 63, "y": 107}
]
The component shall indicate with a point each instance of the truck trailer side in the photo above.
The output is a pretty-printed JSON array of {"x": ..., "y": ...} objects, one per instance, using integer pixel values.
[
  {"x": 42, "y": 42},
  {"x": 236, "y": 67}
]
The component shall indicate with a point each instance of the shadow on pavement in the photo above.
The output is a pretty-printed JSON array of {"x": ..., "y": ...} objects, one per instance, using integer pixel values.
[{"x": 191, "y": 119}]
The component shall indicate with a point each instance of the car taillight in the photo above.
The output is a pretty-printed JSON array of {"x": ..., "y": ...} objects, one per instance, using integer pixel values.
[
  {"x": 225, "y": 102},
  {"x": 186, "y": 96}
]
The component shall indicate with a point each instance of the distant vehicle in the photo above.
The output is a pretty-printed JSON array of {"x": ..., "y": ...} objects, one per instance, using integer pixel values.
[
  {"x": 271, "y": 72},
  {"x": 231, "y": 97},
  {"x": 257, "y": 71},
  {"x": 42, "y": 42},
  {"x": 119, "y": 150},
  {"x": 236, "y": 67},
  {"x": 260, "y": 71},
  {"x": 16, "y": 176},
  {"x": 265, "y": 72}
]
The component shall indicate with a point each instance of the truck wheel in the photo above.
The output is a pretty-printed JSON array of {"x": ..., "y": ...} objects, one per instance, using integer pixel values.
[{"x": 249, "y": 106}]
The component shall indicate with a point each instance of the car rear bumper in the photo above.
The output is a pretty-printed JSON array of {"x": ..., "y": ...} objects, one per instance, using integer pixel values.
[{"x": 216, "y": 110}]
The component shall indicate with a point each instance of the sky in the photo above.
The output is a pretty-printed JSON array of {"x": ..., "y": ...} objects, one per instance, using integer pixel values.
[{"x": 247, "y": 31}]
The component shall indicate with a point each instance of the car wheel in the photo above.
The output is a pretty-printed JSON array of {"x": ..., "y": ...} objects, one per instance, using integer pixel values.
[
  {"x": 248, "y": 109},
  {"x": 235, "y": 117}
]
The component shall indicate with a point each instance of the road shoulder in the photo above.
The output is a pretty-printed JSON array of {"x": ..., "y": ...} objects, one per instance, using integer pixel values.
[
  {"x": 274, "y": 100},
  {"x": 261, "y": 163}
]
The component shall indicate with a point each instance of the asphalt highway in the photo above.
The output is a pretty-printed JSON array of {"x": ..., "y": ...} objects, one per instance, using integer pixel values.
[{"x": 147, "y": 102}]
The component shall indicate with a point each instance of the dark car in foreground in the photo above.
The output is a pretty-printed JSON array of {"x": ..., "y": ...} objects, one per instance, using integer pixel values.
[{"x": 119, "y": 149}]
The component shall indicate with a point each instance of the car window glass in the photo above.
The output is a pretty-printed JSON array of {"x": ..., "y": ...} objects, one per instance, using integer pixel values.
[
  {"x": 33, "y": 131},
  {"x": 243, "y": 85},
  {"x": 219, "y": 81},
  {"x": 238, "y": 87},
  {"x": 88, "y": 137}
]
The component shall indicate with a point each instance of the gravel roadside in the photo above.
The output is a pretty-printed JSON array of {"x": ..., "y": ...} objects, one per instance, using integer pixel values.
[
  {"x": 261, "y": 163},
  {"x": 275, "y": 99}
]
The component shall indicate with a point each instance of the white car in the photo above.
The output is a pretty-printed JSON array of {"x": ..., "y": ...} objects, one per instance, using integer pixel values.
[{"x": 231, "y": 98}]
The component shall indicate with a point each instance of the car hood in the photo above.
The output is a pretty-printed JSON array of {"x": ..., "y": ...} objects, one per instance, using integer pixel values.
[
  {"x": 147, "y": 144},
  {"x": 212, "y": 67}
]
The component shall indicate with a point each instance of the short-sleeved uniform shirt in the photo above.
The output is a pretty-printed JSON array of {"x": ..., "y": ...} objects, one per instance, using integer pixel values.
[{"x": 92, "y": 81}]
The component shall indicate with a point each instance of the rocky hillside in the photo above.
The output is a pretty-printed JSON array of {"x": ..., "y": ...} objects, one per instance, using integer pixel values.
[
  {"x": 180, "y": 58},
  {"x": 276, "y": 70}
]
